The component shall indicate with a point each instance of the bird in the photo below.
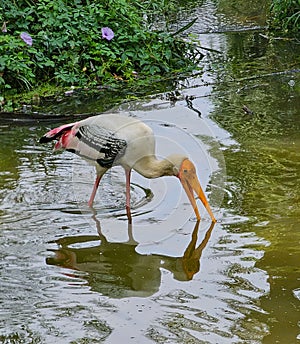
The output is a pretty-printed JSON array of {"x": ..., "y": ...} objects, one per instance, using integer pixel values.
[{"x": 108, "y": 140}]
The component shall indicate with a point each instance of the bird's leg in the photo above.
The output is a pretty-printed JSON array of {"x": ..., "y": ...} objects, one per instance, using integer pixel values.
[
  {"x": 127, "y": 174},
  {"x": 95, "y": 188}
]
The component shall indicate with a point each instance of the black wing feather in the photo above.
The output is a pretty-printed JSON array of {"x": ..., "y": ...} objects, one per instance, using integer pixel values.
[{"x": 104, "y": 141}]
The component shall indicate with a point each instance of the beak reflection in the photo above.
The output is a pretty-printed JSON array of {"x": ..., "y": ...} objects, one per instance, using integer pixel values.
[{"x": 117, "y": 270}]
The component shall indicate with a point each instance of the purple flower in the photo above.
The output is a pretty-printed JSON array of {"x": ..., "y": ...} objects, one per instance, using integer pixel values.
[
  {"x": 4, "y": 28},
  {"x": 107, "y": 33},
  {"x": 26, "y": 38}
]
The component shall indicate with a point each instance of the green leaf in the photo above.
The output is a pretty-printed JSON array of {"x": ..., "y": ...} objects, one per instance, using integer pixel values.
[{"x": 186, "y": 27}]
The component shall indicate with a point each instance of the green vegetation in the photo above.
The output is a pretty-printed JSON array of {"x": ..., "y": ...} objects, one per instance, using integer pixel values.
[
  {"x": 285, "y": 16},
  {"x": 85, "y": 43}
]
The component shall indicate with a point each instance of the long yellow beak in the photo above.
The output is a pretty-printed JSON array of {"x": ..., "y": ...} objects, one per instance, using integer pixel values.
[{"x": 189, "y": 180}]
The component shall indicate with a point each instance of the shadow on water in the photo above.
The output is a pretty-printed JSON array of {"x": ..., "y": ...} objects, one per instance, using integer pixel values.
[{"x": 117, "y": 270}]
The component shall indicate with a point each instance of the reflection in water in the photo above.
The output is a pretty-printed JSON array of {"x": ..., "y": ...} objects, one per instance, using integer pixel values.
[
  {"x": 117, "y": 270},
  {"x": 248, "y": 290}
]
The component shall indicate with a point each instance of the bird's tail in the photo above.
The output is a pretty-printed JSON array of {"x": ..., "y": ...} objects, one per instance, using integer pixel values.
[
  {"x": 62, "y": 134},
  {"x": 56, "y": 133}
]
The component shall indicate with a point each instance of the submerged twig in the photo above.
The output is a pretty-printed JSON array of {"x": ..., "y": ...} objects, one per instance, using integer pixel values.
[{"x": 189, "y": 101}]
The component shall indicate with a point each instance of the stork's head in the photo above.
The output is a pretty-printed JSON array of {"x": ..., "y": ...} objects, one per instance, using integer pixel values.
[{"x": 185, "y": 171}]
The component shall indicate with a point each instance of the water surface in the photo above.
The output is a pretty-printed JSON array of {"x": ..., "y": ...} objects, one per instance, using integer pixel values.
[{"x": 74, "y": 275}]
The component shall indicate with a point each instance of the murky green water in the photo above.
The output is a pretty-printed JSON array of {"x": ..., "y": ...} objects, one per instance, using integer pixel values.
[
  {"x": 265, "y": 167},
  {"x": 71, "y": 275}
]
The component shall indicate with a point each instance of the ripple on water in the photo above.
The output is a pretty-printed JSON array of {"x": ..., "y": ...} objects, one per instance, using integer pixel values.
[{"x": 129, "y": 282}]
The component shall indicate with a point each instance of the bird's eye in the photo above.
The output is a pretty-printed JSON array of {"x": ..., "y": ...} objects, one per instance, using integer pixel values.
[{"x": 185, "y": 171}]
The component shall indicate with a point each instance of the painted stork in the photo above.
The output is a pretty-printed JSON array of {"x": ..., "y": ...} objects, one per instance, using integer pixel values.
[{"x": 112, "y": 139}]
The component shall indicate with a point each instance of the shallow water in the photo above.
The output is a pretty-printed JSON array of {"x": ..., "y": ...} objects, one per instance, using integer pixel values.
[{"x": 74, "y": 275}]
